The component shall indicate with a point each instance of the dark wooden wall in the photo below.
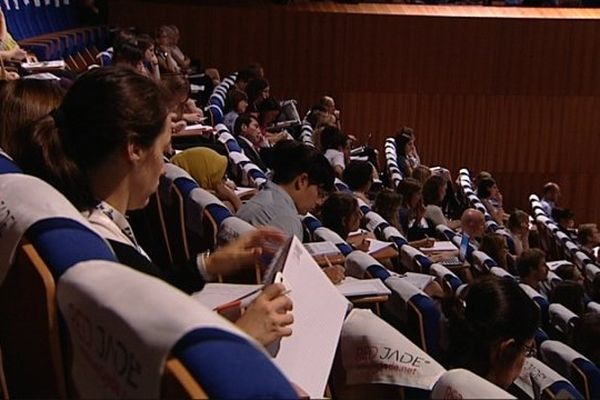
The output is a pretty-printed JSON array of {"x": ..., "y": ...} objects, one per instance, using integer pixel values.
[{"x": 512, "y": 91}]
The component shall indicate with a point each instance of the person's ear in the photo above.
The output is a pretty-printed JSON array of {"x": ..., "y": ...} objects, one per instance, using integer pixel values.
[
  {"x": 507, "y": 350},
  {"x": 301, "y": 182},
  {"x": 135, "y": 152}
]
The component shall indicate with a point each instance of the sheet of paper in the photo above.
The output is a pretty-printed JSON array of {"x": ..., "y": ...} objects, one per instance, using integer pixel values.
[
  {"x": 240, "y": 191},
  {"x": 319, "y": 310},
  {"x": 216, "y": 294},
  {"x": 325, "y": 248},
  {"x": 376, "y": 245},
  {"x": 44, "y": 64},
  {"x": 439, "y": 246},
  {"x": 362, "y": 287},
  {"x": 198, "y": 126},
  {"x": 420, "y": 281}
]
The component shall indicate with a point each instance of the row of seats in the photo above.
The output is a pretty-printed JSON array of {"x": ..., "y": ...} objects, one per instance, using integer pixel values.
[
  {"x": 99, "y": 301},
  {"x": 51, "y": 30}
]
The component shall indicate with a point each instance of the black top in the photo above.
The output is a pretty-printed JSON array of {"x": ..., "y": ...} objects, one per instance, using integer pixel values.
[{"x": 185, "y": 277}]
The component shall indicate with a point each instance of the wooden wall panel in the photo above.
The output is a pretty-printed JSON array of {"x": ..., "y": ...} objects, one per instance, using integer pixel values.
[{"x": 512, "y": 91}]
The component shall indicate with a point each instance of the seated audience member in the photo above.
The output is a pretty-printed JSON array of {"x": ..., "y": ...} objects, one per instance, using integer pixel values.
[
  {"x": 495, "y": 332},
  {"x": 550, "y": 197},
  {"x": 334, "y": 144},
  {"x": 105, "y": 154},
  {"x": 518, "y": 226},
  {"x": 421, "y": 173},
  {"x": 340, "y": 213},
  {"x": 214, "y": 76},
  {"x": 178, "y": 90},
  {"x": 388, "y": 204},
  {"x": 239, "y": 103},
  {"x": 128, "y": 54},
  {"x": 412, "y": 214},
  {"x": 258, "y": 90},
  {"x": 586, "y": 337},
  {"x": 268, "y": 111},
  {"x": 256, "y": 71},
  {"x": 328, "y": 105},
  {"x": 472, "y": 223},
  {"x": 434, "y": 192},
  {"x": 490, "y": 196},
  {"x": 146, "y": 44},
  {"x": 322, "y": 121},
  {"x": 22, "y": 102},
  {"x": 250, "y": 139},
  {"x": 569, "y": 272},
  {"x": 208, "y": 167},
  {"x": 301, "y": 179},
  {"x": 181, "y": 59},
  {"x": 164, "y": 51},
  {"x": 532, "y": 268},
  {"x": 242, "y": 79},
  {"x": 9, "y": 48},
  {"x": 358, "y": 175},
  {"x": 481, "y": 176},
  {"x": 494, "y": 245},
  {"x": 406, "y": 151},
  {"x": 588, "y": 237},
  {"x": 569, "y": 294},
  {"x": 565, "y": 219}
]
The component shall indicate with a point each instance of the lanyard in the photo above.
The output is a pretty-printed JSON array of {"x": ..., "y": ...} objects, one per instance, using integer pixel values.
[{"x": 121, "y": 222}]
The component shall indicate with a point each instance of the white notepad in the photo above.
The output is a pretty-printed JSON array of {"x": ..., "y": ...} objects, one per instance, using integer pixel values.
[
  {"x": 216, "y": 294},
  {"x": 350, "y": 287},
  {"x": 439, "y": 246}
]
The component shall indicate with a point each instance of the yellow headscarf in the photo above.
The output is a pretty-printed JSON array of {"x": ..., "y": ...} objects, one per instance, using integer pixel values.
[{"x": 205, "y": 165}]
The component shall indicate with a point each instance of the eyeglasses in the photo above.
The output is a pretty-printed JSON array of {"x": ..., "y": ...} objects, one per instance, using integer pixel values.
[{"x": 530, "y": 350}]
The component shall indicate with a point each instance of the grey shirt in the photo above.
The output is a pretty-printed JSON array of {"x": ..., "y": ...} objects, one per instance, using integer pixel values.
[{"x": 273, "y": 206}]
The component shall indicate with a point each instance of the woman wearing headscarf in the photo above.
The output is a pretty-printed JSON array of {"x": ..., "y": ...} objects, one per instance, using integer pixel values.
[{"x": 208, "y": 167}]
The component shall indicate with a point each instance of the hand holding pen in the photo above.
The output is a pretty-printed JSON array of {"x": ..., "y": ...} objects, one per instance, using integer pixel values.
[{"x": 268, "y": 317}]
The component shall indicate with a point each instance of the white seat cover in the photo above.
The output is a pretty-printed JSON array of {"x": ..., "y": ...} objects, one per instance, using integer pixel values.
[
  {"x": 375, "y": 352},
  {"x": 463, "y": 384},
  {"x": 122, "y": 326}
]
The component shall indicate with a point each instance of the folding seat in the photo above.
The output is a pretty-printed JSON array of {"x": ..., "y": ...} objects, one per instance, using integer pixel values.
[
  {"x": 215, "y": 113},
  {"x": 593, "y": 307},
  {"x": 446, "y": 232},
  {"x": 539, "y": 300},
  {"x": 359, "y": 265},
  {"x": 447, "y": 278},
  {"x": 121, "y": 350},
  {"x": 319, "y": 232},
  {"x": 380, "y": 227},
  {"x": 306, "y": 132},
  {"x": 579, "y": 370},
  {"x": 571, "y": 249},
  {"x": 42, "y": 237},
  {"x": 581, "y": 260},
  {"x": 377, "y": 361},
  {"x": 414, "y": 259},
  {"x": 251, "y": 173},
  {"x": 191, "y": 219},
  {"x": 561, "y": 322},
  {"x": 539, "y": 381},
  {"x": 463, "y": 384},
  {"x": 391, "y": 162},
  {"x": 502, "y": 273},
  {"x": 414, "y": 313},
  {"x": 341, "y": 186}
]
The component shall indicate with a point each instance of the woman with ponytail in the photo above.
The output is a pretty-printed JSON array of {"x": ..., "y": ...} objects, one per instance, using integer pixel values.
[
  {"x": 103, "y": 149},
  {"x": 493, "y": 334}
]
